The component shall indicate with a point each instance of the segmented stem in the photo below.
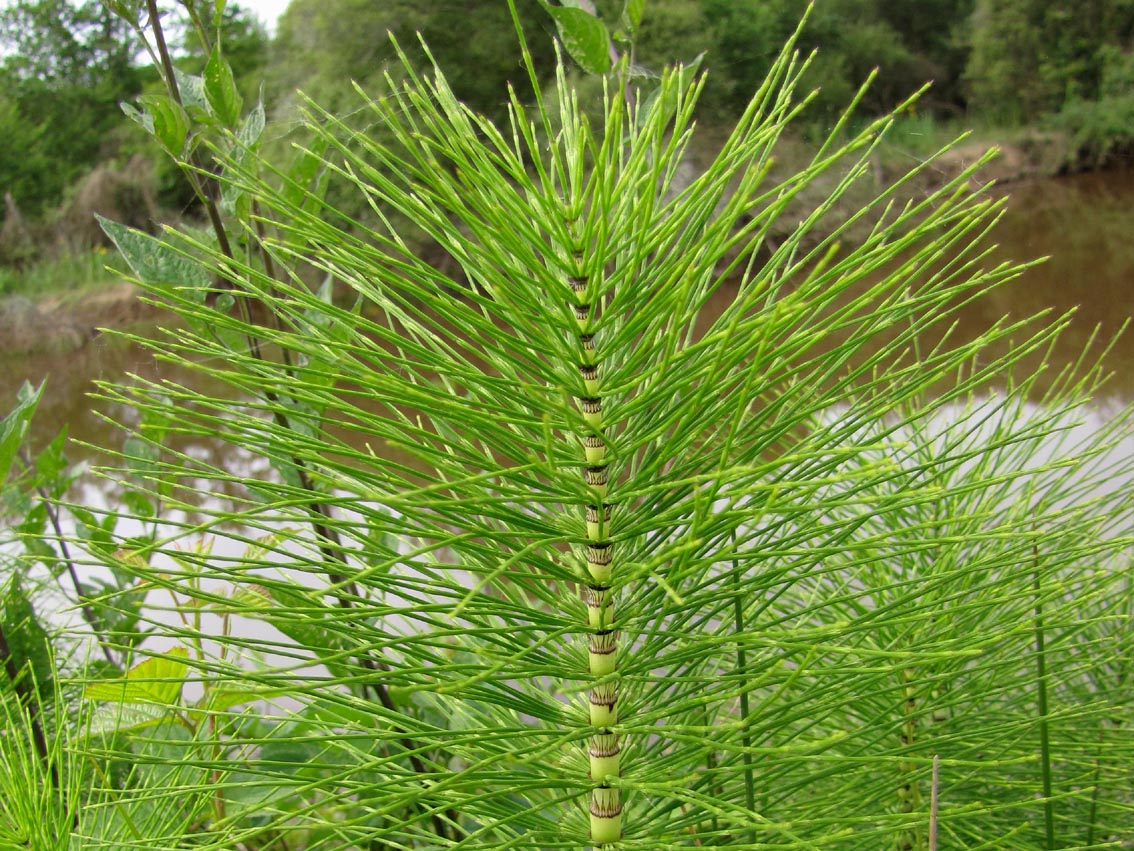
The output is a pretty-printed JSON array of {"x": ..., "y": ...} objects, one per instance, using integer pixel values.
[
  {"x": 604, "y": 747},
  {"x": 909, "y": 793}
]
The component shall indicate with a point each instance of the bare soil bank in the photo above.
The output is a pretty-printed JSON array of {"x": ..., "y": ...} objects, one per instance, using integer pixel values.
[{"x": 65, "y": 322}]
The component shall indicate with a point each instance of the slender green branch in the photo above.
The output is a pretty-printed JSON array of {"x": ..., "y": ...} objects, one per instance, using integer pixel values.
[
  {"x": 934, "y": 796},
  {"x": 742, "y": 671},
  {"x": 1041, "y": 705}
]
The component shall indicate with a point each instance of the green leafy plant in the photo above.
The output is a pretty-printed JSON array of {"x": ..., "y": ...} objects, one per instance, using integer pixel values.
[{"x": 633, "y": 529}]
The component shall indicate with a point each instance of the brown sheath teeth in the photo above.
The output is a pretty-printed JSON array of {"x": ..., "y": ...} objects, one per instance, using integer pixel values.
[
  {"x": 589, "y": 372},
  {"x": 591, "y": 404},
  {"x": 600, "y": 553},
  {"x": 582, "y": 312},
  {"x": 596, "y": 596},
  {"x": 578, "y": 285},
  {"x": 593, "y": 511},
  {"x": 595, "y": 476},
  {"x": 604, "y": 694},
  {"x": 604, "y": 744},
  {"x": 604, "y": 642},
  {"x": 606, "y": 805},
  {"x": 593, "y": 441},
  {"x": 588, "y": 342}
]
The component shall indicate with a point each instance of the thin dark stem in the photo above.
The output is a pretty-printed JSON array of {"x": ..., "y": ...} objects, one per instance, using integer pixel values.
[
  {"x": 163, "y": 51},
  {"x": 330, "y": 545},
  {"x": 1041, "y": 701},
  {"x": 198, "y": 25},
  {"x": 89, "y": 615},
  {"x": 27, "y": 701}
]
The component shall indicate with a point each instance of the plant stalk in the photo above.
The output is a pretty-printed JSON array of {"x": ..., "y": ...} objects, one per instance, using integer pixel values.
[
  {"x": 89, "y": 615},
  {"x": 742, "y": 669},
  {"x": 330, "y": 545},
  {"x": 26, "y": 699},
  {"x": 605, "y": 747},
  {"x": 1041, "y": 704}
]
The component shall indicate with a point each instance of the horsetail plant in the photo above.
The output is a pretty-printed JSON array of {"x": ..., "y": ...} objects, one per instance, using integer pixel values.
[{"x": 615, "y": 485}]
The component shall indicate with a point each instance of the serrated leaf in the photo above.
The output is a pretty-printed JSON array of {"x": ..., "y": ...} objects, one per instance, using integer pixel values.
[
  {"x": 143, "y": 119},
  {"x": 155, "y": 681},
  {"x": 584, "y": 36},
  {"x": 153, "y": 262},
  {"x": 220, "y": 89},
  {"x": 127, "y": 10}
]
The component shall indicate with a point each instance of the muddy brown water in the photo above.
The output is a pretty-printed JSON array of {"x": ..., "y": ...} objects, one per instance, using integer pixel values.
[{"x": 1084, "y": 224}]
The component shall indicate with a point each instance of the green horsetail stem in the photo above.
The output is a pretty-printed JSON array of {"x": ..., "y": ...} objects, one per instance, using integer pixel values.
[
  {"x": 909, "y": 793},
  {"x": 604, "y": 748}
]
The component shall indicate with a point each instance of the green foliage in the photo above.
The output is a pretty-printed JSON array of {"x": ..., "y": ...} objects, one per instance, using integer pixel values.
[
  {"x": 323, "y": 46},
  {"x": 1100, "y": 130},
  {"x": 65, "y": 69},
  {"x": 1030, "y": 57},
  {"x": 551, "y": 554},
  {"x": 39, "y": 810},
  {"x": 641, "y": 577}
]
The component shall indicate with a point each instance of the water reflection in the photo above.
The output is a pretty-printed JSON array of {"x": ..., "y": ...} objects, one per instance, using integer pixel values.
[{"x": 1084, "y": 225}]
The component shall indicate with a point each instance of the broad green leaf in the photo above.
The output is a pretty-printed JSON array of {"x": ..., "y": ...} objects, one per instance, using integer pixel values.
[
  {"x": 28, "y": 642},
  {"x": 157, "y": 681},
  {"x": 55, "y": 475},
  {"x": 305, "y": 181},
  {"x": 248, "y": 136},
  {"x": 155, "y": 263},
  {"x": 169, "y": 122},
  {"x": 14, "y": 427},
  {"x": 125, "y": 717},
  {"x": 584, "y": 36},
  {"x": 632, "y": 15},
  {"x": 265, "y": 603},
  {"x": 220, "y": 89},
  {"x": 143, "y": 118},
  {"x": 95, "y": 530},
  {"x": 191, "y": 87},
  {"x": 127, "y": 10}
]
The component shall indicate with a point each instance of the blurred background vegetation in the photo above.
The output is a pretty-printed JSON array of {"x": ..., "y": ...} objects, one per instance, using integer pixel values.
[{"x": 1057, "y": 74}]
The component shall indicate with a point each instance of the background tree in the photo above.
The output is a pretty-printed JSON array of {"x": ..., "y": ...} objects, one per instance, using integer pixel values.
[
  {"x": 1031, "y": 57},
  {"x": 67, "y": 67},
  {"x": 324, "y": 45}
]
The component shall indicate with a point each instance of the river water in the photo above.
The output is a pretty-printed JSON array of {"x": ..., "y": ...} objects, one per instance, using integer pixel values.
[{"x": 1084, "y": 224}]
